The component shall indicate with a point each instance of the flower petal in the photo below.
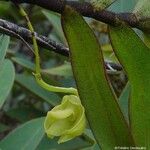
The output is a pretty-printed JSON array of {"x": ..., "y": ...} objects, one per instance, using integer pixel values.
[
  {"x": 66, "y": 120},
  {"x": 59, "y": 127}
]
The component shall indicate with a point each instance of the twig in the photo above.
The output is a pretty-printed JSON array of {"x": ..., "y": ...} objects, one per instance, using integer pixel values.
[
  {"x": 18, "y": 36},
  {"x": 24, "y": 34},
  {"x": 87, "y": 10},
  {"x": 15, "y": 30}
]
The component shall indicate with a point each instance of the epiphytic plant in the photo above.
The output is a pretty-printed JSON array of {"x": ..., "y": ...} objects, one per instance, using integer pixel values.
[{"x": 92, "y": 114}]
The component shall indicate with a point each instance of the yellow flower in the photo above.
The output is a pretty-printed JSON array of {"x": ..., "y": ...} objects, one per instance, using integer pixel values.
[{"x": 66, "y": 120}]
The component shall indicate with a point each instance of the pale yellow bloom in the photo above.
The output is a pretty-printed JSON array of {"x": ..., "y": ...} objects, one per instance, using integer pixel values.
[{"x": 66, "y": 120}]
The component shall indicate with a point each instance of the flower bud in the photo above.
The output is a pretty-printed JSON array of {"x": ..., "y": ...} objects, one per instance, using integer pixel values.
[{"x": 66, "y": 120}]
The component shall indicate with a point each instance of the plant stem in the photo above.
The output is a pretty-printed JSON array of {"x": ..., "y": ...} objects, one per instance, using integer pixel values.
[{"x": 37, "y": 73}]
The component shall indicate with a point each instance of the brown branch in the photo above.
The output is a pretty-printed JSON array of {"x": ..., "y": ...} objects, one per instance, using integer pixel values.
[
  {"x": 16, "y": 31},
  {"x": 87, "y": 10},
  {"x": 24, "y": 35}
]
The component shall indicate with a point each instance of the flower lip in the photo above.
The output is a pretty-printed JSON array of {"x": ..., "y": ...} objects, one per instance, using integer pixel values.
[{"x": 66, "y": 120}]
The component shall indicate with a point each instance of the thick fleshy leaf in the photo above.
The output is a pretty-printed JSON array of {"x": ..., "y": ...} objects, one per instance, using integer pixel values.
[
  {"x": 135, "y": 57},
  {"x": 25, "y": 137},
  {"x": 147, "y": 39},
  {"x": 102, "y": 110},
  {"x": 4, "y": 42},
  {"x": 7, "y": 75},
  {"x": 124, "y": 99},
  {"x": 30, "y": 136}
]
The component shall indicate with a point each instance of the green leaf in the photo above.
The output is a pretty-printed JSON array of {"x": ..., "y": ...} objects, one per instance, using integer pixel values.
[
  {"x": 54, "y": 19},
  {"x": 146, "y": 39},
  {"x": 31, "y": 136},
  {"x": 4, "y": 8},
  {"x": 142, "y": 9},
  {"x": 24, "y": 113},
  {"x": 63, "y": 70},
  {"x": 75, "y": 144},
  {"x": 123, "y": 5},
  {"x": 3, "y": 127},
  {"x": 4, "y": 42},
  {"x": 24, "y": 63},
  {"x": 7, "y": 75},
  {"x": 124, "y": 99},
  {"x": 135, "y": 57},
  {"x": 25, "y": 137},
  {"x": 95, "y": 146},
  {"x": 6, "y": 13},
  {"x": 102, "y": 110},
  {"x": 30, "y": 84},
  {"x": 108, "y": 53}
]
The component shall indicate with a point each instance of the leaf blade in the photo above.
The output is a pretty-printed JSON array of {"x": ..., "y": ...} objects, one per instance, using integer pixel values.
[
  {"x": 7, "y": 75},
  {"x": 4, "y": 42},
  {"x": 27, "y": 136},
  {"x": 134, "y": 56},
  {"x": 88, "y": 68}
]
